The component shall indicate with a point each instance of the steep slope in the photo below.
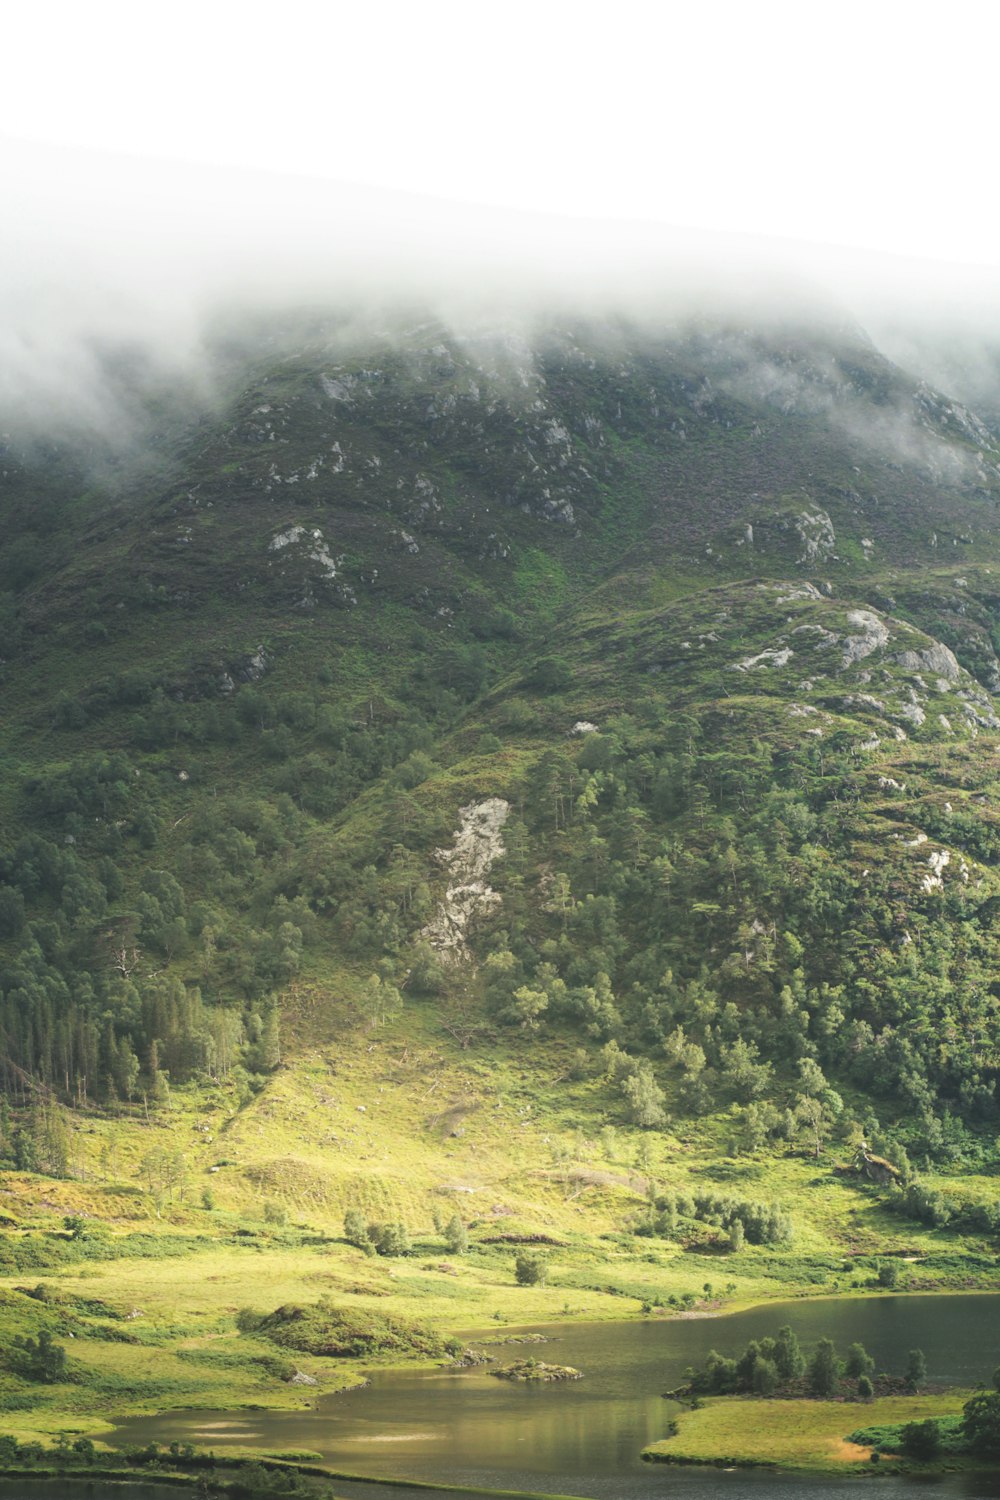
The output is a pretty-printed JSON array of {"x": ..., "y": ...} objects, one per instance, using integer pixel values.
[{"x": 702, "y": 622}]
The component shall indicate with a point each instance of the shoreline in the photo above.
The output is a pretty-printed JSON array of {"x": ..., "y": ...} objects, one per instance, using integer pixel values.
[
  {"x": 666, "y": 1450},
  {"x": 130, "y": 1475}
]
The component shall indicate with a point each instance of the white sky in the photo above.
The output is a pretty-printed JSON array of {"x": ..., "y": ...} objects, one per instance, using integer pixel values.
[{"x": 864, "y": 124}]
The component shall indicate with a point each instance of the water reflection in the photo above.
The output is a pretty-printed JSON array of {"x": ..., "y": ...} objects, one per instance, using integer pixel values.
[{"x": 584, "y": 1438}]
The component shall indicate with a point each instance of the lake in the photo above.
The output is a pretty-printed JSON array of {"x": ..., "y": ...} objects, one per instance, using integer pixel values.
[{"x": 584, "y": 1437}]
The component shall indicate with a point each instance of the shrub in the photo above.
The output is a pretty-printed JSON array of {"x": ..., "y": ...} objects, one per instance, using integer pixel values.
[
  {"x": 530, "y": 1268},
  {"x": 456, "y": 1236},
  {"x": 390, "y": 1239},
  {"x": 859, "y": 1362},
  {"x": 921, "y": 1439},
  {"x": 356, "y": 1231}
]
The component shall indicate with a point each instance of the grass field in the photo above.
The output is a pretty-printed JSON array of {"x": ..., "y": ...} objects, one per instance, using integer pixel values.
[
  {"x": 791, "y": 1434},
  {"x": 405, "y": 1125}
]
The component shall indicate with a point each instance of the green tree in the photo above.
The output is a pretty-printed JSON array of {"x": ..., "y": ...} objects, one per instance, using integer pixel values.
[
  {"x": 456, "y": 1236},
  {"x": 530, "y": 1268},
  {"x": 390, "y": 1239},
  {"x": 356, "y": 1231},
  {"x": 788, "y": 1355},
  {"x": 765, "y": 1377},
  {"x": 40, "y": 1359},
  {"x": 165, "y": 1172},
  {"x": 126, "y": 1070},
  {"x": 858, "y": 1362},
  {"x": 526, "y": 1009},
  {"x": 823, "y": 1370},
  {"x": 981, "y": 1419},
  {"x": 643, "y": 1095},
  {"x": 916, "y": 1369}
]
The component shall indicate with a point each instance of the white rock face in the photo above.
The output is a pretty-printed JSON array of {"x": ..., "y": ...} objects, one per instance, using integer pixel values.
[
  {"x": 478, "y": 845},
  {"x": 872, "y": 636},
  {"x": 935, "y": 880},
  {"x": 316, "y": 547},
  {"x": 802, "y": 591},
  {"x": 765, "y": 659},
  {"x": 816, "y": 533},
  {"x": 937, "y": 659},
  {"x": 337, "y": 388},
  {"x": 286, "y": 538},
  {"x": 584, "y": 726}
]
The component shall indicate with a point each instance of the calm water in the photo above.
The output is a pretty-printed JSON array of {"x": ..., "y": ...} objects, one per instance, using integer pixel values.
[{"x": 584, "y": 1438}]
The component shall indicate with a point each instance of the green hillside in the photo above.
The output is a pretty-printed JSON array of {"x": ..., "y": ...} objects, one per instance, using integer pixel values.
[{"x": 537, "y": 788}]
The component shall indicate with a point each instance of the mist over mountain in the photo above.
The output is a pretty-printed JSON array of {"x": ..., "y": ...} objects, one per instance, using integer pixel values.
[
  {"x": 118, "y": 272},
  {"x": 502, "y": 734}
]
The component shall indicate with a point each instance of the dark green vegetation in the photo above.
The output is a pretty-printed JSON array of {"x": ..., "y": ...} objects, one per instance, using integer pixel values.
[
  {"x": 179, "y": 1465},
  {"x": 975, "y": 1432},
  {"x": 777, "y": 1367},
  {"x": 555, "y": 774},
  {"x": 329, "y": 1330},
  {"x": 249, "y": 698}
]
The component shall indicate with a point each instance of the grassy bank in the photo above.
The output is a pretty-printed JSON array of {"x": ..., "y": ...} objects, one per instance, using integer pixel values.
[
  {"x": 796, "y": 1434},
  {"x": 233, "y": 1477}
]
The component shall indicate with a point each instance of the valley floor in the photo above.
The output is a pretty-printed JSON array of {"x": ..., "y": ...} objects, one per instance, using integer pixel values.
[{"x": 142, "y": 1281}]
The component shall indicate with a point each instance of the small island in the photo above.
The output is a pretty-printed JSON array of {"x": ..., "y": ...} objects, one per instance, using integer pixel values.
[
  {"x": 773, "y": 1408},
  {"x": 536, "y": 1370}
]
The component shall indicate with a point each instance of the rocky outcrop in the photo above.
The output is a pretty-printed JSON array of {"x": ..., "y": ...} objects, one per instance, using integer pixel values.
[{"x": 478, "y": 845}]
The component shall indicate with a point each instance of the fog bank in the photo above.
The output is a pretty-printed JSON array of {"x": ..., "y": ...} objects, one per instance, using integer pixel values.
[{"x": 106, "y": 256}]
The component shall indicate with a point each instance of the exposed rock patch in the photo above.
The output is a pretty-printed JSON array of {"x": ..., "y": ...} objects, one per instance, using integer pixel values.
[
  {"x": 816, "y": 534},
  {"x": 478, "y": 845},
  {"x": 772, "y": 658},
  {"x": 937, "y": 659},
  {"x": 871, "y": 636}
]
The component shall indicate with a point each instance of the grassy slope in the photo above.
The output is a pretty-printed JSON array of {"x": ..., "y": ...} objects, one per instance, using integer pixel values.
[
  {"x": 395, "y": 1160},
  {"x": 363, "y": 1118}
]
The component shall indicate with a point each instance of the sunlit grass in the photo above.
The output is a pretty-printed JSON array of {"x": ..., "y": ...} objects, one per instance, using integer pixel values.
[{"x": 800, "y": 1434}]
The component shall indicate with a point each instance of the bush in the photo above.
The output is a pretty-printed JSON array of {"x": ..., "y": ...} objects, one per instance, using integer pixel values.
[
  {"x": 530, "y": 1268},
  {"x": 356, "y": 1231},
  {"x": 859, "y": 1362},
  {"x": 921, "y": 1439},
  {"x": 456, "y": 1236},
  {"x": 390, "y": 1239}
]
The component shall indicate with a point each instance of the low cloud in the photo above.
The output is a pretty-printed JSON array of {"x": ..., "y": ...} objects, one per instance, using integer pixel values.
[{"x": 116, "y": 275}]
